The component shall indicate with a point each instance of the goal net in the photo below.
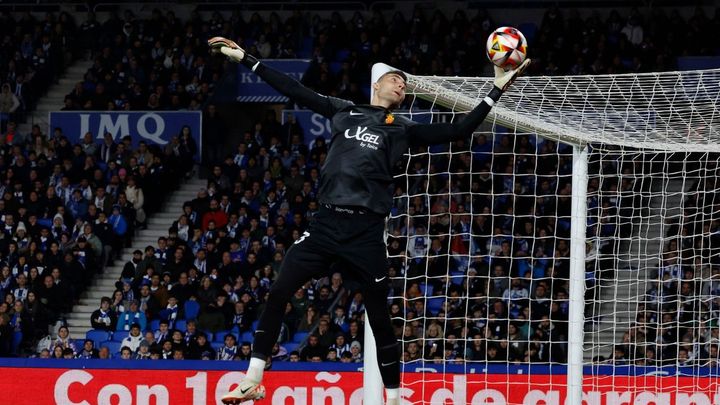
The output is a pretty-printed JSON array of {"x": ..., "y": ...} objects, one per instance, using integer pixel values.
[{"x": 569, "y": 251}]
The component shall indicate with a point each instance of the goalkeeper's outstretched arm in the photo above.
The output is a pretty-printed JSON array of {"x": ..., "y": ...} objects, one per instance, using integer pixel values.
[
  {"x": 430, "y": 134},
  {"x": 326, "y": 106}
]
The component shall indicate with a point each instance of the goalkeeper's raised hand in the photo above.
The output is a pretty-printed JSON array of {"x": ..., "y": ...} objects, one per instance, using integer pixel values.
[
  {"x": 228, "y": 48},
  {"x": 503, "y": 79}
]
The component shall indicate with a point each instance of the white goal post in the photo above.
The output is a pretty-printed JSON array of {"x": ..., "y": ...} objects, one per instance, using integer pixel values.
[{"x": 666, "y": 112}]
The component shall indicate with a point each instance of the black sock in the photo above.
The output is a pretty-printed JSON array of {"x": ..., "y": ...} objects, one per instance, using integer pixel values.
[{"x": 389, "y": 362}]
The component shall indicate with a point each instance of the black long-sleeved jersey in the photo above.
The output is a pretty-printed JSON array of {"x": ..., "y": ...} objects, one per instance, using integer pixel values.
[{"x": 367, "y": 141}]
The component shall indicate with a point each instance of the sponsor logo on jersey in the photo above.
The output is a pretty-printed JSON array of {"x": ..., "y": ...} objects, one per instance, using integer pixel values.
[{"x": 367, "y": 139}]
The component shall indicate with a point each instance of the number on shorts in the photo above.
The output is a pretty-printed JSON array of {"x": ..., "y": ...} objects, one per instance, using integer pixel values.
[{"x": 302, "y": 238}]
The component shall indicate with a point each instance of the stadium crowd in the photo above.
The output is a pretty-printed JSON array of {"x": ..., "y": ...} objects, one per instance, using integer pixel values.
[
  {"x": 34, "y": 52},
  {"x": 478, "y": 276}
]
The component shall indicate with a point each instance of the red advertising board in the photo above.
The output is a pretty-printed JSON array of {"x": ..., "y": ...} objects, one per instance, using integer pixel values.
[{"x": 26, "y": 386}]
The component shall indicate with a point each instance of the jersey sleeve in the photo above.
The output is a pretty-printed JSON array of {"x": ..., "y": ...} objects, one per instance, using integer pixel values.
[
  {"x": 432, "y": 134},
  {"x": 323, "y": 105}
]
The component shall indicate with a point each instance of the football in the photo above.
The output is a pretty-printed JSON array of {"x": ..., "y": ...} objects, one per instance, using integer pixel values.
[{"x": 506, "y": 47}]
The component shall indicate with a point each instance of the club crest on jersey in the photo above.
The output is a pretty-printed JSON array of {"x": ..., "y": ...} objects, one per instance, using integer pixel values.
[{"x": 367, "y": 139}]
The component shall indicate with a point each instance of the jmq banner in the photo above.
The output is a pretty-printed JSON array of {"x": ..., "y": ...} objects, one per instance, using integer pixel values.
[
  {"x": 101, "y": 382},
  {"x": 153, "y": 127},
  {"x": 252, "y": 89}
]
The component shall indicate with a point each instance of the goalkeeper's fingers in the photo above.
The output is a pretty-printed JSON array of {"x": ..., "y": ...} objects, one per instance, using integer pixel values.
[
  {"x": 523, "y": 66},
  {"x": 227, "y": 47},
  {"x": 216, "y": 43},
  {"x": 503, "y": 79}
]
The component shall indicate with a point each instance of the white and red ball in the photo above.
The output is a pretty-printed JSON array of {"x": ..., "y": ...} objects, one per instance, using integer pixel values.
[{"x": 506, "y": 47}]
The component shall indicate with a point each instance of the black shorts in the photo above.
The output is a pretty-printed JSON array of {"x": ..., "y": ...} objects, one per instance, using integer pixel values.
[{"x": 349, "y": 235}]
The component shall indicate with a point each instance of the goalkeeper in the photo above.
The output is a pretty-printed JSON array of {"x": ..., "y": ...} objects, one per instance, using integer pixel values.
[{"x": 367, "y": 140}]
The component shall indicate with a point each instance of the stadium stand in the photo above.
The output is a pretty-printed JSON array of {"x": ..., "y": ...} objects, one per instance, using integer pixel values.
[{"x": 201, "y": 285}]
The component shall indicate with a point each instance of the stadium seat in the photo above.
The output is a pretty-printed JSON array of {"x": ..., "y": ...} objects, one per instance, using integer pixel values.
[
  {"x": 154, "y": 325},
  {"x": 216, "y": 345},
  {"x": 180, "y": 325},
  {"x": 529, "y": 30},
  {"x": 290, "y": 346},
  {"x": 114, "y": 347},
  {"x": 191, "y": 309},
  {"x": 522, "y": 266},
  {"x": 300, "y": 337},
  {"x": 335, "y": 67},
  {"x": 98, "y": 336},
  {"x": 118, "y": 336},
  {"x": 457, "y": 277},
  {"x": 246, "y": 337},
  {"x": 306, "y": 48},
  {"x": 220, "y": 336},
  {"x": 17, "y": 339},
  {"x": 209, "y": 335},
  {"x": 342, "y": 55},
  {"x": 434, "y": 304}
]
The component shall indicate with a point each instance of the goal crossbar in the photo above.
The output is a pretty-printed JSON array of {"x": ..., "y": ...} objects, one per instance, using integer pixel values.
[{"x": 670, "y": 111}]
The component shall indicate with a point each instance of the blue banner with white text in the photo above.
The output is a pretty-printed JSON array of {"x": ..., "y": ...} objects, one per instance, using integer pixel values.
[
  {"x": 153, "y": 127},
  {"x": 252, "y": 89},
  {"x": 314, "y": 124}
]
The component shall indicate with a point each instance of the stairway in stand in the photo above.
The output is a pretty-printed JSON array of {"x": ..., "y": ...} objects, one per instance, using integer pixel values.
[
  {"x": 54, "y": 99},
  {"x": 104, "y": 284}
]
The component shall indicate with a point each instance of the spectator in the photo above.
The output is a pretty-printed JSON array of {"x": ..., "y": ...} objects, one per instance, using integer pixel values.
[
  {"x": 132, "y": 316},
  {"x": 229, "y": 349},
  {"x": 105, "y": 317},
  {"x": 132, "y": 341},
  {"x": 143, "y": 351},
  {"x": 9, "y": 103},
  {"x": 63, "y": 340},
  {"x": 88, "y": 351},
  {"x": 313, "y": 349}
]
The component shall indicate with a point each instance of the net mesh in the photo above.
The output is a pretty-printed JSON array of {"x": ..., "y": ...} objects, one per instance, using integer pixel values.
[
  {"x": 479, "y": 239},
  {"x": 668, "y": 110}
]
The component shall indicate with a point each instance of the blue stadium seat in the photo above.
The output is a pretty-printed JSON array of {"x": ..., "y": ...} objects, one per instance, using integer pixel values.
[
  {"x": 254, "y": 325},
  {"x": 529, "y": 31},
  {"x": 434, "y": 304},
  {"x": 342, "y": 55},
  {"x": 216, "y": 345},
  {"x": 246, "y": 337},
  {"x": 335, "y": 67},
  {"x": 366, "y": 91},
  {"x": 306, "y": 48},
  {"x": 300, "y": 337},
  {"x": 154, "y": 325},
  {"x": 98, "y": 336},
  {"x": 114, "y": 347},
  {"x": 290, "y": 346},
  {"x": 457, "y": 280},
  {"x": 220, "y": 336},
  {"x": 457, "y": 277},
  {"x": 522, "y": 267},
  {"x": 17, "y": 339},
  {"x": 181, "y": 325},
  {"x": 209, "y": 335},
  {"x": 192, "y": 309},
  {"x": 118, "y": 336}
]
